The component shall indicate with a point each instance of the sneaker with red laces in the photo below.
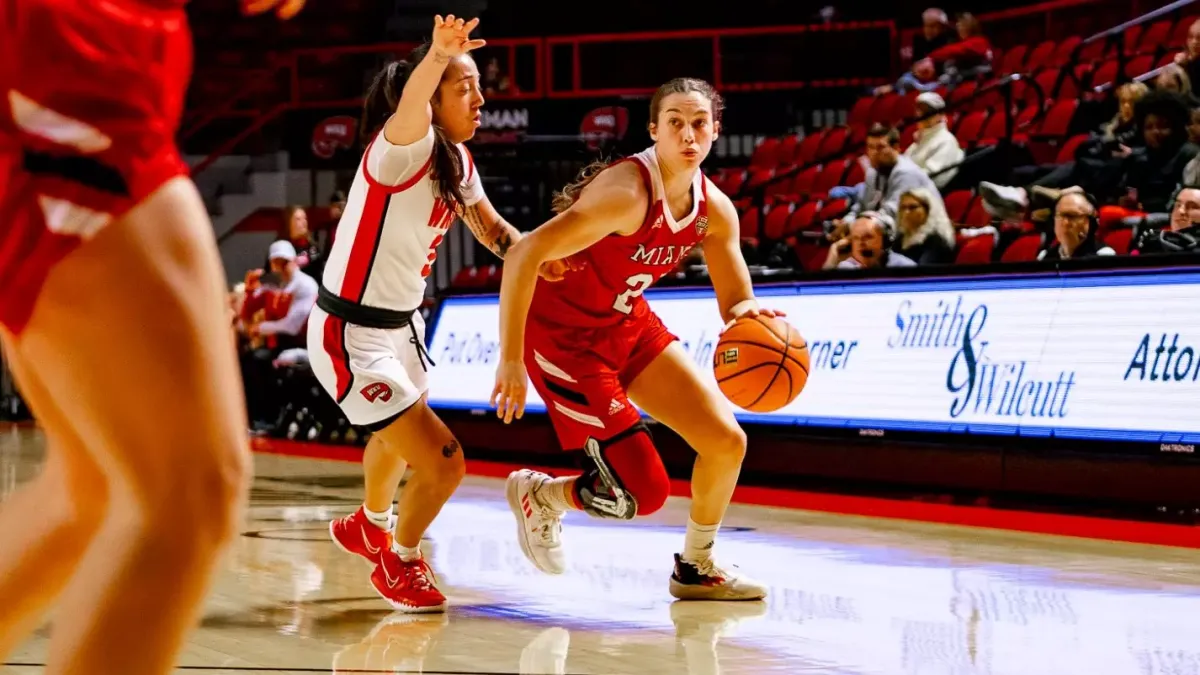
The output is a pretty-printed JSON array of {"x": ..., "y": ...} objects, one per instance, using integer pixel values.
[
  {"x": 408, "y": 585},
  {"x": 356, "y": 534}
]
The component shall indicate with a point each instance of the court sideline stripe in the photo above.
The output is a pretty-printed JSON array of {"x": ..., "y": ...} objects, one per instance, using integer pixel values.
[
  {"x": 270, "y": 669},
  {"x": 1083, "y": 527}
]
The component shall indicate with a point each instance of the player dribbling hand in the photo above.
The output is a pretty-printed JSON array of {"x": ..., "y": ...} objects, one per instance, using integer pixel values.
[{"x": 750, "y": 313}]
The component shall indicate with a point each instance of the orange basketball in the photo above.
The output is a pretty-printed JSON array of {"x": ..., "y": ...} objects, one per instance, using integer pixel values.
[{"x": 761, "y": 364}]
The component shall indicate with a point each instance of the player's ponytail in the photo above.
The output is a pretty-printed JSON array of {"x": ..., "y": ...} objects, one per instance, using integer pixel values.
[
  {"x": 380, "y": 103},
  {"x": 564, "y": 198}
]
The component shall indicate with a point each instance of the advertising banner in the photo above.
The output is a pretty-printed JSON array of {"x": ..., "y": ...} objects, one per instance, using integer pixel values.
[{"x": 1113, "y": 356}]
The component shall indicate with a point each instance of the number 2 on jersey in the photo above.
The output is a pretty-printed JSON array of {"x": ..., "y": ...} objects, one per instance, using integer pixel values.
[{"x": 637, "y": 283}]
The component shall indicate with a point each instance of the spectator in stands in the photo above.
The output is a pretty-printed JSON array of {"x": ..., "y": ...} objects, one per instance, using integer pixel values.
[
  {"x": 1174, "y": 78},
  {"x": 275, "y": 336},
  {"x": 494, "y": 79},
  {"x": 1189, "y": 58},
  {"x": 1182, "y": 233},
  {"x": 935, "y": 34},
  {"x": 890, "y": 175},
  {"x": 869, "y": 245},
  {"x": 1075, "y": 227},
  {"x": 926, "y": 233},
  {"x": 309, "y": 256},
  {"x": 337, "y": 206},
  {"x": 1122, "y": 129},
  {"x": 924, "y": 74},
  {"x": 968, "y": 58},
  {"x": 1142, "y": 178},
  {"x": 935, "y": 148},
  {"x": 1153, "y": 172}
]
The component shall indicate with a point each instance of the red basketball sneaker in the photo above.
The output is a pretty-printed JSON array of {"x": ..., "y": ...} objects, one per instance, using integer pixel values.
[
  {"x": 356, "y": 534},
  {"x": 410, "y": 586}
]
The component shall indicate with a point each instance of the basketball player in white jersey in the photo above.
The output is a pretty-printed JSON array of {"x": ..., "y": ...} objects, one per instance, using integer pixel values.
[{"x": 366, "y": 338}]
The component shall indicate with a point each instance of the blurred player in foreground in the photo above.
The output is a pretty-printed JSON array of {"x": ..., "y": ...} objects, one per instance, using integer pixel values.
[{"x": 112, "y": 307}]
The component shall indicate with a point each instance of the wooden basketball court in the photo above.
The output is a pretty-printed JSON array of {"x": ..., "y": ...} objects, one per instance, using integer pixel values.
[{"x": 848, "y": 594}]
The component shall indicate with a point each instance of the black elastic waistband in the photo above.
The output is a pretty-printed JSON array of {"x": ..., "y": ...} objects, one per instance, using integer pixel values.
[{"x": 361, "y": 315}]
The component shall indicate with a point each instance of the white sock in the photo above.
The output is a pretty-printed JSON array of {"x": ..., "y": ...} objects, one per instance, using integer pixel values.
[
  {"x": 382, "y": 519},
  {"x": 555, "y": 493},
  {"x": 407, "y": 554},
  {"x": 699, "y": 540}
]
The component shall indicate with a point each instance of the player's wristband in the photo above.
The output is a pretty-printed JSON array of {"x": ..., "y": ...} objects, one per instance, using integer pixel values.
[{"x": 743, "y": 307}]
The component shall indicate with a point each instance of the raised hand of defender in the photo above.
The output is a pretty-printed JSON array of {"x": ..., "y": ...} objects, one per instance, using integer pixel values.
[
  {"x": 452, "y": 36},
  {"x": 284, "y": 9},
  {"x": 509, "y": 394}
]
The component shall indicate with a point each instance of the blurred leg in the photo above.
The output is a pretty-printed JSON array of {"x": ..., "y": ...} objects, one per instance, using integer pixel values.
[
  {"x": 47, "y": 525},
  {"x": 130, "y": 338}
]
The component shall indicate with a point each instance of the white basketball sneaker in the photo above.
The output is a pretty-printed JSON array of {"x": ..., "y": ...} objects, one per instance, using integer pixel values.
[
  {"x": 539, "y": 527},
  {"x": 704, "y": 580}
]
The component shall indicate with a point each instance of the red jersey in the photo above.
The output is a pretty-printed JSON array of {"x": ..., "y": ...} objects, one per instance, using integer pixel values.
[{"x": 619, "y": 268}]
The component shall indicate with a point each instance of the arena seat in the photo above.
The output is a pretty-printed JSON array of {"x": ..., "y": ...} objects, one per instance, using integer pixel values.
[
  {"x": 1119, "y": 240},
  {"x": 976, "y": 250},
  {"x": 1024, "y": 249}
]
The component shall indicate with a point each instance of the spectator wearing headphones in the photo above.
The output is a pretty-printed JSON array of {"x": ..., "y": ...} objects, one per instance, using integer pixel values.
[
  {"x": 1182, "y": 233},
  {"x": 869, "y": 245},
  {"x": 1075, "y": 226}
]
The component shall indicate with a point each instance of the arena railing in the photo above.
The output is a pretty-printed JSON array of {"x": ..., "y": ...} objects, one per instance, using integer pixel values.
[
  {"x": 1113, "y": 35},
  {"x": 1004, "y": 85},
  {"x": 536, "y": 66}
]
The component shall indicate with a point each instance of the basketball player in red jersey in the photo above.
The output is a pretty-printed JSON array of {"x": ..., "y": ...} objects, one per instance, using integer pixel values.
[
  {"x": 366, "y": 338},
  {"x": 113, "y": 320},
  {"x": 594, "y": 347}
]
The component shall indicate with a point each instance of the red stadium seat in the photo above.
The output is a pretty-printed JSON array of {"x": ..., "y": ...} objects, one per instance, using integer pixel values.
[
  {"x": 807, "y": 152},
  {"x": 1153, "y": 37},
  {"x": 1024, "y": 249},
  {"x": 1119, "y": 240},
  {"x": 970, "y": 128},
  {"x": 765, "y": 154},
  {"x": 749, "y": 224},
  {"x": 775, "y": 224},
  {"x": 1066, "y": 152},
  {"x": 830, "y": 177},
  {"x": 804, "y": 217},
  {"x": 958, "y": 204},
  {"x": 1014, "y": 60},
  {"x": 978, "y": 216},
  {"x": 976, "y": 250},
  {"x": 833, "y": 144},
  {"x": 1041, "y": 56}
]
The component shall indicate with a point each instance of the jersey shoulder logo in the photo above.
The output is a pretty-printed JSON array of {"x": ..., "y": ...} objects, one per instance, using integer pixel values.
[
  {"x": 702, "y": 224},
  {"x": 377, "y": 392}
]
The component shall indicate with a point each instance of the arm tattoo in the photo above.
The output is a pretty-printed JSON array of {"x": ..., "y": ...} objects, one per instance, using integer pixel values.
[
  {"x": 440, "y": 57},
  {"x": 498, "y": 237},
  {"x": 450, "y": 449}
]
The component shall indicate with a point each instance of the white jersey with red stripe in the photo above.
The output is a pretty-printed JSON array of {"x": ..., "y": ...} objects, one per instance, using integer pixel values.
[{"x": 393, "y": 222}]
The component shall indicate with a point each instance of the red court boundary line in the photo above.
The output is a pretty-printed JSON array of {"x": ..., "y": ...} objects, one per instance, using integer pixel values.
[{"x": 1085, "y": 527}]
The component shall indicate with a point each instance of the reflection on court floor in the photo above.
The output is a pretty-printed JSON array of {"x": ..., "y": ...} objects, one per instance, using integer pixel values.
[{"x": 848, "y": 595}]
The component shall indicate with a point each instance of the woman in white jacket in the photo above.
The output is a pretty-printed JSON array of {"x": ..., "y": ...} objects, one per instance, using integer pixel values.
[{"x": 935, "y": 148}]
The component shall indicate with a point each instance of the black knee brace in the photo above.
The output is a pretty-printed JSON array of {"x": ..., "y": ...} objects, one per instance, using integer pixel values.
[{"x": 600, "y": 489}]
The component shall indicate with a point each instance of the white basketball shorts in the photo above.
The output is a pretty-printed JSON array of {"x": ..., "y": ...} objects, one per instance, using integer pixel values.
[{"x": 373, "y": 373}]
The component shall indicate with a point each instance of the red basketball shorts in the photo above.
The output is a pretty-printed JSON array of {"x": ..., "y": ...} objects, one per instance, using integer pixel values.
[
  {"x": 90, "y": 98},
  {"x": 582, "y": 374}
]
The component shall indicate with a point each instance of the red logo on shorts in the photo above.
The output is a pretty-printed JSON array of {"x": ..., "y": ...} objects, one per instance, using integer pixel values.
[{"x": 377, "y": 391}]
